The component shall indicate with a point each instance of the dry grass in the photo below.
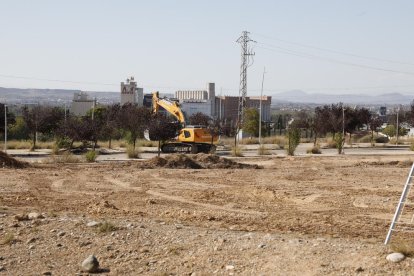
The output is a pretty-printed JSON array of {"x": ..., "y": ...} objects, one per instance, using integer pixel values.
[
  {"x": 404, "y": 247},
  {"x": 66, "y": 157},
  {"x": 26, "y": 144},
  {"x": 237, "y": 151},
  {"x": 250, "y": 141},
  {"x": 106, "y": 227},
  {"x": 314, "y": 150},
  {"x": 8, "y": 239},
  {"x": 146, "y": 143},
  {"x": 263, "y": 150},
  {"x": 133, "y": 153}
]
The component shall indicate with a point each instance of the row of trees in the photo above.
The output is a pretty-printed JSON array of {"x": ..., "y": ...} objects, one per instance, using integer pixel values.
[
  {"x": 106, "y": 123},
  {"x": 335, "y": 119},
  {"x": 130, "y": 121},
  {"x": 102, "y": 123}
]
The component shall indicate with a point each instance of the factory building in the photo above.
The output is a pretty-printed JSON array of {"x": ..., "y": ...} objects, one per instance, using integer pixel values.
[
  {"x": 194, "y": 101},
  {"x": 81, "y": 103},
  {"x": 227, "y": 107},
  {"x": 131, "y": 93}
]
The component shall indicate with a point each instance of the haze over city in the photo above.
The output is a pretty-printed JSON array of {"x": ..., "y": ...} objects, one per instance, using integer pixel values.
[{"x": 332, "y": 47}]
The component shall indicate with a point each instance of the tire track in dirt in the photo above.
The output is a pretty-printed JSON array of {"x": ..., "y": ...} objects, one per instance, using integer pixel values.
[
  {"x": 204, "y": 205},
  {"x": 122, "y": 184}
]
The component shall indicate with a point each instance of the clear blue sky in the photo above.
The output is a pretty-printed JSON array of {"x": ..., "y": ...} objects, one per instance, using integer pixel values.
[{"x": 170, "y": 45}]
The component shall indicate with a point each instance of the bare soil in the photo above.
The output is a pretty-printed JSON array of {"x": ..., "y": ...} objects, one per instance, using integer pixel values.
[{"x": 297, "y": 215}]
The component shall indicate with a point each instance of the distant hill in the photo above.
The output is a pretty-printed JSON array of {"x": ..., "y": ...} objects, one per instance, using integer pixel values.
[
  {"x": 51, "y": 96},
  {"x": 298, "y": 96}
]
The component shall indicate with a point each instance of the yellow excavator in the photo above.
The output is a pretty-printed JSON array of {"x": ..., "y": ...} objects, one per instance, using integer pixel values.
[{"x": 191, "y": 139}]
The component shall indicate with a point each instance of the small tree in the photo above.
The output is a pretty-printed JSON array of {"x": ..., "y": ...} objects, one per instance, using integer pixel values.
[
  {"x": 42, "y": 119},
  {"x": 293, "y": 136},
  {"x": 339, "y": 142},
  {"x": 134, "y": 120},
  {"x": 390, "y": 131},
  {"x": 162, "y": 129},
  {"x": 200, "y": 119},
  {"x": 374, "y": 124},
  {"x": 11, "y": 119},
  {"x": 251, "y": 122}
]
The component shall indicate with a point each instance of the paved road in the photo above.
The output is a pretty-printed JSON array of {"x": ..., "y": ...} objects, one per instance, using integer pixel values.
[{"x": 248, "y": 151}]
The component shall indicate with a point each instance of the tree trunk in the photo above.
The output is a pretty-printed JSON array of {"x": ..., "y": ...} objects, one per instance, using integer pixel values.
[
  {"x": 159, "y": 147},
  {"x": 34, "y": 141},
  {"x": 110, "y": 143},
  {"x": 372, "y": 138}
]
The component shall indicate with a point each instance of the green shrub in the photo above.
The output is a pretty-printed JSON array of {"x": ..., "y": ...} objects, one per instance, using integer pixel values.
[
  {"x": 293, "y": 137},
  {"x": 91, "y": 156},
  {"x": 63, "y": 143},
  {"x": 339, "y": 141}
]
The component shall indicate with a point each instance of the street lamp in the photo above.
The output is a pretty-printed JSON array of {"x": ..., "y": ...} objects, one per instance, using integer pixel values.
[
  {"x": 398, "y": 112},
  {"x": 5, "y": 128},
  {"x": 260, "y": 113}
]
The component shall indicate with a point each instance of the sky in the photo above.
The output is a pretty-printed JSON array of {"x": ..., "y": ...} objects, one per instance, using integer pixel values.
[{"x": 318, "y": 46}]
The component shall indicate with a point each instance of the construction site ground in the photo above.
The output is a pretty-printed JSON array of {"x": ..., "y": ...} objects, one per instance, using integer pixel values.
[{"x": 302, "y": 215}]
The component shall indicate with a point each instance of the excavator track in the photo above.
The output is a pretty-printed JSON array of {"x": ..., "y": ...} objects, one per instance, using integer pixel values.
[{"x": 188, "y": 148}]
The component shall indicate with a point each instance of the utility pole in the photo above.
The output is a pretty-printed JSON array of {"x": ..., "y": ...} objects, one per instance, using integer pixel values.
[
  {"x": 343, "y": 130},
  {"x": 260, "y": 114},
  {"x": 398, "y": 112},
  {"x": 93, "y": 108},
  {"x": 5, "y": 128},
  {"x": 246, "y": 62}
]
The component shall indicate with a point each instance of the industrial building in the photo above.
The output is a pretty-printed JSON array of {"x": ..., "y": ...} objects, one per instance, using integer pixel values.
[
  {"x": 227, "y": 107},
  {"x": 81, "y": 103},
  {"x": 131, "y": 93},
  {"x": 194, "y": 101},
  {"x": 221, "y": 107}
]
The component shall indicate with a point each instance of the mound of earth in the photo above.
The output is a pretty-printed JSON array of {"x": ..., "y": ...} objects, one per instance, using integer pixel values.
[
  {"x": 10, "y": 162},
  {"x": 198, "y": 161}
]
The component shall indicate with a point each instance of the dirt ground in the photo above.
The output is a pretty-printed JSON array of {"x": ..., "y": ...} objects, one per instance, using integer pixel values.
[{"x": 308, "y": 215}]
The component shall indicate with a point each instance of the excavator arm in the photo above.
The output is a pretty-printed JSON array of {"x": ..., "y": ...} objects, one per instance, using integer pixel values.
[{"x": 171, "y": 107}]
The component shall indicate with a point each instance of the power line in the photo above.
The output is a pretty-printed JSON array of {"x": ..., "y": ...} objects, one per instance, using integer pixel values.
[
  {"x": 335, "y": 51},
  {"x": 55, "y": 80},
  {"x": 92, "y": 83},
  {"x": 314, "y": 57}
]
